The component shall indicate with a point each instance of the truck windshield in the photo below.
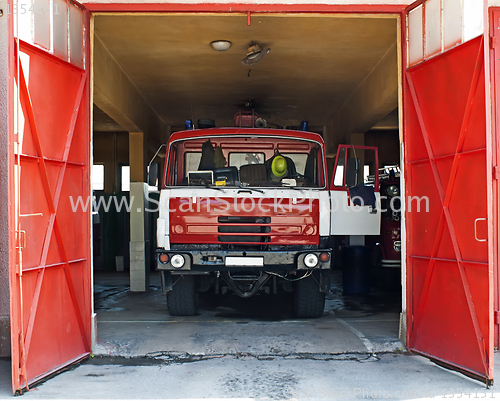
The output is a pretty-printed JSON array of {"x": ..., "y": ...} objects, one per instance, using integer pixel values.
[{"x": 245, "y": 161}]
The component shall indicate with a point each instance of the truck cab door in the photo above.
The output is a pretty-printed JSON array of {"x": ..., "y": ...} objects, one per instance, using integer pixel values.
[{"x": 354, "y": 192}]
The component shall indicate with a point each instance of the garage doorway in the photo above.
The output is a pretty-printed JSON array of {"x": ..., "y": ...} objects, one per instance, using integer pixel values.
[
  {"x": 285, "y": 114},
  {"x": 320, "y": 68}
]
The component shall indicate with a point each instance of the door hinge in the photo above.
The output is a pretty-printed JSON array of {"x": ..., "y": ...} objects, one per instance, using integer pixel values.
[
  {"x": 20, "y": 239},
  {"x": 497, "y": 317},
  {"x": 496, "y": 172}
]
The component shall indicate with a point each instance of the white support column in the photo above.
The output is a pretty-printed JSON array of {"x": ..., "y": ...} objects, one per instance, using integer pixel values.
[{"x": 139, "y": 270}]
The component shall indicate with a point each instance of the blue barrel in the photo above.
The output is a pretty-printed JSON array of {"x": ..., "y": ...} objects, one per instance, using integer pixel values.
[{"x": 356, "y": 269}]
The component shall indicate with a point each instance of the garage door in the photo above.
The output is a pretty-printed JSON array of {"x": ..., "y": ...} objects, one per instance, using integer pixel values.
[
  {"x": 449, "y": 272},
  {"x": 51, "y": 280}
]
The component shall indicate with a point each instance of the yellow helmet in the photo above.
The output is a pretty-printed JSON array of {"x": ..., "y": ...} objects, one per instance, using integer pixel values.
[{"x": 279, "y": 166}]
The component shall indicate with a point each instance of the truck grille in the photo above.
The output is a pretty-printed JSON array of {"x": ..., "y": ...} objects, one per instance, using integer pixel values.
[{"x": 244, "y": 229}]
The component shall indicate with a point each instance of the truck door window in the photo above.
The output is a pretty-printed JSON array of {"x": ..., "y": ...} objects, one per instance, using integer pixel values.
[
  {"x": 171, "y": 177},
  {"x": 338, "y": 179},
  {"x": 366, "y": 159}
]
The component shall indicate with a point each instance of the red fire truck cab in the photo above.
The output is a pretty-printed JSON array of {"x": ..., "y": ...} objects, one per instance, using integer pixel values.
[{"x": 245, "y": 210}]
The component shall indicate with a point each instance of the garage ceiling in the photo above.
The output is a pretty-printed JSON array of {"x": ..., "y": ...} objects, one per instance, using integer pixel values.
[{"x": 315, "y": 62}]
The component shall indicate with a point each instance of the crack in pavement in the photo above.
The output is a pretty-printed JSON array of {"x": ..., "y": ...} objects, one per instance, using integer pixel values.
[{"x": 173, "y": 357}]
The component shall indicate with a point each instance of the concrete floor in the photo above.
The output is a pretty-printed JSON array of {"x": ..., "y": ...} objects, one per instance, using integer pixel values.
[
  {"x": 391, "y": 376},
  {"x": 249, "y": 349},
  {"x": 138, "y": 324}
]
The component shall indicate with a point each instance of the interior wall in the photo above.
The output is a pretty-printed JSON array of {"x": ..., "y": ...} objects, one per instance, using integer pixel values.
[
  {"x": 387, "y": 142},
  {"x": 111, "y": 235}
]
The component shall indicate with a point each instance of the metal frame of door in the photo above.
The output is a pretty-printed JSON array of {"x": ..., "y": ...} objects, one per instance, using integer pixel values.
[
  {"x": 494, "y": 56},
  {"x": 446, "y": 265},
  {"x": 51, "y": 301}
]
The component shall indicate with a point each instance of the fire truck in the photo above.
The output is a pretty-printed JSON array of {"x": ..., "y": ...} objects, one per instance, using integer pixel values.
[
  {"x": 389, "y": 241},
  {"x": 248, "y": 211}
]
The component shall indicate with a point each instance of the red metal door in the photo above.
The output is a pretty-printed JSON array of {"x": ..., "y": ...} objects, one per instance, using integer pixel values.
[
  {"x": 51, "y": 279},
  {"x": 495, "y": 96},
  {"x": 449, "y": 268}
]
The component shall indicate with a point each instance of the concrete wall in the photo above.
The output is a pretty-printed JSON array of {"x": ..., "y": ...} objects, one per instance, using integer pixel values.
[
  {"x": 4, "y": 191},
  {"x": 387, "y": 142},
  {"x": 117, "y": 96},
  {"x": 372, "y": 100}
]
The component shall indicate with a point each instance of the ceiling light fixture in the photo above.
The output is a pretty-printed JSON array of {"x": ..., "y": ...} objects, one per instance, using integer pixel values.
[
  {"x": 220, "y": 45},
  {"x": 254, "y": 54}
]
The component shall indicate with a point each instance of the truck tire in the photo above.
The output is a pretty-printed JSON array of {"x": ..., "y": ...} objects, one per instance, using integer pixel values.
[
  {"x": 308, "y": 301},
  {"x": 183, "y": 299}
]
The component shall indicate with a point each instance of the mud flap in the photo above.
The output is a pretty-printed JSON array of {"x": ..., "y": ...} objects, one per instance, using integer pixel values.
[
  {"x": 324, "y": 283},
  {"x": 166, "y": 282}
]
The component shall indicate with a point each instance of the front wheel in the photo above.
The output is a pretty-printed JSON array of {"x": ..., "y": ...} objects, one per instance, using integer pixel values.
[
  {"x": 309, "y": 302},
  {"x": 183, "y": 299}
]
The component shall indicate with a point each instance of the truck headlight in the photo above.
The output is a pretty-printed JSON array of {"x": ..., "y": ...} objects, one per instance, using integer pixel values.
[
  {"x": 392, "y": 190},
  {"x": 177, "y": 261},
  {"x": 311, "y": 260}
]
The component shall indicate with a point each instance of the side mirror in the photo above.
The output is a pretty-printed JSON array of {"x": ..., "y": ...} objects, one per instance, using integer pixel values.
[
  {"x": 153, "y": 174},
  {"x": 352, "y": 172}
]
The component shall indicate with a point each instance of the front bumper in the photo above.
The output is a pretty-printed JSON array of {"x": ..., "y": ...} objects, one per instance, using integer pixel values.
[{"x": 217, "y": 260}]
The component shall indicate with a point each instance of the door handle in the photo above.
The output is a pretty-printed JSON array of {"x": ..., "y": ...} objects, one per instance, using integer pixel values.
[{"x": 475, "y": 229}]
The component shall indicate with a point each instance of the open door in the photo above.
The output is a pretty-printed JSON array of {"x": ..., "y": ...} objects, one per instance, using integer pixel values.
[
  {"x": 355, "y": 192},
  {"x": 448, "y": 188},
  {"x": 51, "y": 298}
]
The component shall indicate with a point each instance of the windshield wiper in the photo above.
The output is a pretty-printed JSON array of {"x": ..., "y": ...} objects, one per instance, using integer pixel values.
[
  {"x": 292, "y": 187},
  {"x": 300, "y": 189},
  {"x": 250, "y": 189},
  {"x": 212, "y": 186}
]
